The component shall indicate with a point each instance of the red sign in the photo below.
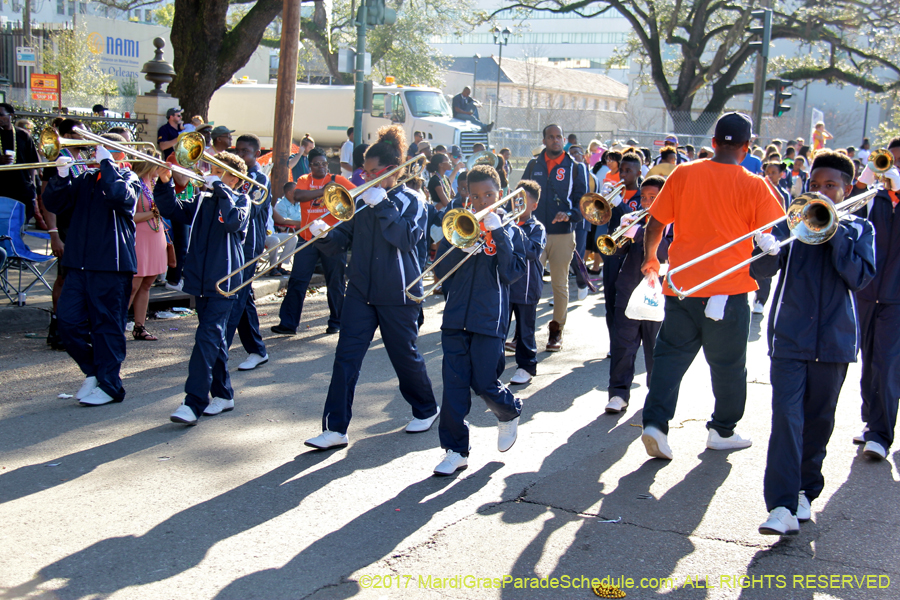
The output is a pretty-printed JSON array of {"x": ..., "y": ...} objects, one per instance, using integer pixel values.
[
  {"x": 659, "y": 143},
  {"x": 44, "y": 86}
]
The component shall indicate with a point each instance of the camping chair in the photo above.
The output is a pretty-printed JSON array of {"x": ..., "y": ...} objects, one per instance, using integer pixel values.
[{"x": 19, "y": 255}]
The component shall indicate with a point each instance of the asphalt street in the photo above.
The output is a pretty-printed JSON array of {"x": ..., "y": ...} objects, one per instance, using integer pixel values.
[{"x": 117, "y": 502}]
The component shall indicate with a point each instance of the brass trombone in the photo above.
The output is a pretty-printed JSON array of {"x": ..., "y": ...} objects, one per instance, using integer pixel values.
[
  {"x": 597, "y": 208},
  {"x": 462, "y": 228},
  {"x": 880, "y": 162},
  {"x": 341, "y": 204},
  {"x": 812, "y": 219},
  {"x": 485, "y": 157},
  {"x": 51, "y": 144},
  {"x": 607, "y": 243}
]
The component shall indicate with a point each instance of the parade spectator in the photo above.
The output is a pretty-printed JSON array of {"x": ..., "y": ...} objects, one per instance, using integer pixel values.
[
  {"x": 347, "y": 155},
  {"x": 167, "y": 136},
  {"x": 221, "y": 139},
  {"x": 298, "y": 163},
  {"x": 16, "y": 146}
]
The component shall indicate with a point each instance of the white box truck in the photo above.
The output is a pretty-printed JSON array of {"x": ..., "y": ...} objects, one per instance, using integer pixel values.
[{"x": 326, "y": 111}]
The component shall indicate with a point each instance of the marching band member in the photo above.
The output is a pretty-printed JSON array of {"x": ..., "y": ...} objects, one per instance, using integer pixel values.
[
  {"x": 773, "y": 171},
  {"x": 629, "y": 334},
  {"x": 879, "y": 317},
  {"x": 100, "y": 264},
  {"x": 718, "y": 190},
  {"x": 476, "y": 318},
  {"x": 244, "y": 318},
  {"x": 309, "y": 192},
  {"x": 218, "y": 221},
  {"x": 525, "y": 292},
  {"x": 383, "y": 240},
  {"x": 812, "y": 337}
]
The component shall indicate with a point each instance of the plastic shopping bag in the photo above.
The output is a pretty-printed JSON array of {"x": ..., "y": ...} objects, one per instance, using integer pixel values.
[{"x": 646, "y": 302}]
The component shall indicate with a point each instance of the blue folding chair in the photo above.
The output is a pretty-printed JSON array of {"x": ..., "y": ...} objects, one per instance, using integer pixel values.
[{"x": 19, "y": 255}]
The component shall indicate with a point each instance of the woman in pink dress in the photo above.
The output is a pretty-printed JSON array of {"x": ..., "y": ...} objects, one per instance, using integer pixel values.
[{"x": 149, "y": 246}]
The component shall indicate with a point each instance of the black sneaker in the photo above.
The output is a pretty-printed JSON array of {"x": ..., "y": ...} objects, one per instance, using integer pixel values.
[{"x": 283, "y": 330}]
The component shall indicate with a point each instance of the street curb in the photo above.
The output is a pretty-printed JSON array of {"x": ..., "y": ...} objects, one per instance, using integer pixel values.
[
  {"x": 23, "y": 319},
  {"x": 271, "y": 285}
]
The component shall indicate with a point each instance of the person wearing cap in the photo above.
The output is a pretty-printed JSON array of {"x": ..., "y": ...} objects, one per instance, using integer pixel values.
[
  {"x": 671, "y": 141},
  {"x": 425, "y": 149},
  {"x": 99, "y": 110},
  {"x": 698, "y": 193},
  {"x": 167, "y": 135},
  {"x": 221, "y": 139},
  {"x": 465, "y": 108}
]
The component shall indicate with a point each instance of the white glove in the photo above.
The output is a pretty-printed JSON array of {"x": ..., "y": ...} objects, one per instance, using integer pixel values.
[
  {"x": 318, "y": 227},
  {"x": 715, "y": 307},
  {"x": 628, "y": 219},
  {"x": 102, "y": 154},
  {"x": 210, "y": 180},
  {"x": 437, "y": 233},
  {"x": 62, "y": 165},
  {"x": 767, "y": 242},
  {"x": 373, "y": 196},
  {"x": 867, "y": 177},
  {"x": 493, "y": 221},
  {"x": 473, "y": 249},
  {"x": 894, "y": 176},
  {"x": 632, "y": 232}
]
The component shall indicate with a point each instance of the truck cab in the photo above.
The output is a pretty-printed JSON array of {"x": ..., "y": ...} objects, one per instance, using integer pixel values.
[{"x": 420, "y": 109}]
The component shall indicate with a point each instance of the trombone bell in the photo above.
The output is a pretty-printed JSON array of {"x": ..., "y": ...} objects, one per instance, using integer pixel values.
[
  {"x": 339, "y": 201},
  {"x": 812, "y": 219},
  {"x": 460, "y": 228},
  {"x": 596, "y": 209},
  {"x": 881, "y": 161}
]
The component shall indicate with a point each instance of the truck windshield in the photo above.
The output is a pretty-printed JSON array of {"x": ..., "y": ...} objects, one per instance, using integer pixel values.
[{"x": 427, "y": 104}]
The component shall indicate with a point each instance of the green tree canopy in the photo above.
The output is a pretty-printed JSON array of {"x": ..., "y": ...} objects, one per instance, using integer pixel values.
[{"x": 68, "y": 53}]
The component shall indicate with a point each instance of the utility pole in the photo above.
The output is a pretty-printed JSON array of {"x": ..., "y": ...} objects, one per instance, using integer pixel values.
[
  {"x": 288, "y": 57},
  {"x": 359, "y": 73},
  {"x": 764, "y": 30}
]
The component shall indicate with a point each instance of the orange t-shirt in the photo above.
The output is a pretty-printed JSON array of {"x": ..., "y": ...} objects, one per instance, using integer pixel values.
[
  {"x": 612, "y": 177},
  {"x": 315, "y": 209},
  {"x": 712, "y": 204}
]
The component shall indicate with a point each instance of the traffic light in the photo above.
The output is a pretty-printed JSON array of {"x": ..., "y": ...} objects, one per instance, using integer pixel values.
[
  {"x": 378, "y": 14},
  {"x": 780, "y": 96},
  {"x": 764, "y": 30}
]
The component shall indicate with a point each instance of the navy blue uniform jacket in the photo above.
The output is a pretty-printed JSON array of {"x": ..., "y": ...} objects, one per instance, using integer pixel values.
[
  {"x": 560, "y": 192},
  {"x": 885, "y": 287},
  {"x": 383, "y": 239},
  {"x": 101, "y": 232},
  {"x": 528, "y": 288},
  {"x": 255, "y": 241},
  {"x": 814, "y": 313},
  {"x": 630, "y": 272},
  {"x": 477, "y": 293},
  {"x": 218, "y": 223}
]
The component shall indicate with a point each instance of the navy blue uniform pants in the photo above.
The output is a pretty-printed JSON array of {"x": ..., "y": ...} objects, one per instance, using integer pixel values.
[
  {"x": 399, "y": 333},
  {"x": 580, "y": 243},
  {"x": 245, "y": 321},
  {"x": 208, "y": 368},
  {"x": 611, "y": 266},
  {"x": 91, "y": 319},
  {"x": 526, "y": 345},
  {"x": 472, "y": 361},
  {"x": 301, "y": 274},
  {"x": 630, "y": 334},
  {"x": 804, "y": 398},
  {"x": 880, "y": 382},
  {"x": 685, "y": 330},
  {"x": 180, "y": 235},
  {"x": 765, "y": 288}
]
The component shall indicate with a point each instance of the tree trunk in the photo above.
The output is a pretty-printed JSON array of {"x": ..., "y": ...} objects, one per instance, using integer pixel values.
[{"x": 206, "y": 55}]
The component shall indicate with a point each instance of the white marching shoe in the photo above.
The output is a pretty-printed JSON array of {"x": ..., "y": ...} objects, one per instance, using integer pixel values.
[
  {"x": 582, "y": 293},
  {"x": 218, "y": 405},
  {"x": 452, "y": 462},
  {"x": 804, "y": 510},
  {"x": 328, "y": 439},
  {"x": 758, "y": 308},
  {"x": 97, "y": 397},
  {"x": 656, "y": 443},
  {"x": 86, "y": 388},
  {"x": 184, "y": 414},
  {"x": 861, "y": 438},
  {"x": 875, "y": 451},
  {"x": 422, "y": 425},
  {"x": 507, "y": 432},
  {"x": 780, "y": 522},
  {"x": 253, "y": 361},
  {"x": 616, "y": 405},
  {"x": 734, "y": 442},
  {"x": 521, "y": 377}
]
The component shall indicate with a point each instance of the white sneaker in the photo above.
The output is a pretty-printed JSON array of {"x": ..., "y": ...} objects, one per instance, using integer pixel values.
[
  {"x": 758, "y": 308},
  {"x": 780, "y": 522},
  {"x": 616, "y": 405},
  {"x": 90, "y": 383},
  {"x": 253, "y": 361},
  {"x": 421, "y": 425},
  {"x": 97, "y": 397},
  {"x": 861, "y": 438},
  {"x": 453, "y": 462},
  {"x": 218, "y": 405},
  {"x": 582, "y": 293},
  {"x": 521, "y": 377},
  {"x": 184, "y": 414},
  {"x": 656, "y": 443},
  {"x": 875, "y": 451},
  {"x": 507, "y": 431},
  {"x": 735, "y": 442},
  {"x": 328, "y": 439},
  {"x": 804, "y": 512},
  {"x": 175, "y": 288}
]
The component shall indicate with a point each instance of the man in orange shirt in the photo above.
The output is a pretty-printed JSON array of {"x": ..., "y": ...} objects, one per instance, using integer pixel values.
[
  {"x": 309, "y": 194},
  {"x": 711, "y": 202}
]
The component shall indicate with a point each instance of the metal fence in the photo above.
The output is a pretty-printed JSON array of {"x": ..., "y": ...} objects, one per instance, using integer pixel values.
[{"x": 523, "y": 145}]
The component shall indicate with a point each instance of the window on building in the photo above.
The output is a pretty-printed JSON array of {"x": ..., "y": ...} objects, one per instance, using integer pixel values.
[
  {"x": 606, "y": 105},
  {"x": 71, "y": 7},
  {"x": 60, "y": 7},
  {"x": 82, "y": 8}
]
